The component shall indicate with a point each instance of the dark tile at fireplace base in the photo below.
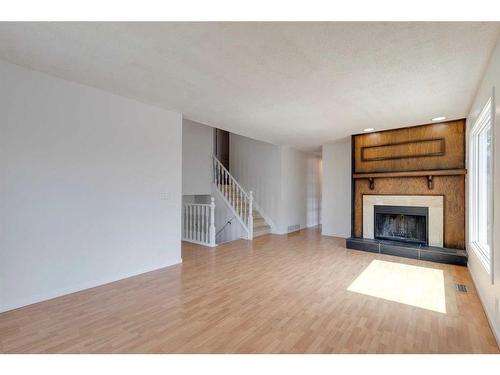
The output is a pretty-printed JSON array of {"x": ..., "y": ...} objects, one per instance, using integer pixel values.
[
  {"x": 405, "y": 244},
  {"x": 400, "y": 251},
  {"x": 408, "y": 250},
  {"x": 458, "y": 257},
  {"x": 362, "y": 244}
]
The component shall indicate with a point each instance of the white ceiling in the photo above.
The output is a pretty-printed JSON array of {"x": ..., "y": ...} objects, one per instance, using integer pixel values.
[{"x": 298, "y": 84}]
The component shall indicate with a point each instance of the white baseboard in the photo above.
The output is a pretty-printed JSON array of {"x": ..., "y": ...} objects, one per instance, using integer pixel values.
[
  {"x": 488, "y": 316},
  {"x": 313, "y": 225},
  {"x": 79, "y": 287},
  {"x": 338, "y": 235}
]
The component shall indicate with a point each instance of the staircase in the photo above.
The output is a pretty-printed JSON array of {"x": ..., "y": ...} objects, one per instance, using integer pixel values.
[
  {"x": 260, "y": 226},
  {"x": 239, "y": 201}
]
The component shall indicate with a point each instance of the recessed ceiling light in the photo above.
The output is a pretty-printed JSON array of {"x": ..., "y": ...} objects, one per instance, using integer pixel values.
[
  {"x": 440, "y": 118},
  {"x": 368, "y": 129}
]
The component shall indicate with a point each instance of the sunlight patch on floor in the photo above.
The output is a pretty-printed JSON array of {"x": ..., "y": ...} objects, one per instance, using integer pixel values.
[{"x": 412, "y": 285}]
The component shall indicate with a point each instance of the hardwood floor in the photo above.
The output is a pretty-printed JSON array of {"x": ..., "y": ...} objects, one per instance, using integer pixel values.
[{"x": 277, "y": 294}]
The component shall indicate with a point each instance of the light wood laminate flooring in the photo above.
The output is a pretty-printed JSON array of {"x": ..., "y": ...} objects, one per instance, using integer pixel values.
[{"x": 296, "y": 293}]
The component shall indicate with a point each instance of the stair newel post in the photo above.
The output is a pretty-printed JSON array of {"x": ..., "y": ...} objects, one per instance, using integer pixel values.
[
  {"x": 250, "y": 215},
  {"x": 212, "y": 221}
]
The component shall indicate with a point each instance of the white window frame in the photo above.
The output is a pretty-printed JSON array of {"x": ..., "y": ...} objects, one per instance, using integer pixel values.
[{"x": 484, "y": 254}]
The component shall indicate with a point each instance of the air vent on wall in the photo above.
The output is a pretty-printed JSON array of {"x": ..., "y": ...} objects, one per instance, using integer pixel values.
[{"x": 293, "y": 228}]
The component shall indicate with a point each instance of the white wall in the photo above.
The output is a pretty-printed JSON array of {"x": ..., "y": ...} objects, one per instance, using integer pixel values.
[
  {"x": 300, "y": 189},
  {"x": 197, "y": 150},
  {"x": 293, "y": 189},
  {"x": 489, "y": 293},
  {"x": 314, "y": 189},
  {"x": 286, "y": 182},
  {"x": 81, "y": 172},
  {"x": 336, "y": 191}
]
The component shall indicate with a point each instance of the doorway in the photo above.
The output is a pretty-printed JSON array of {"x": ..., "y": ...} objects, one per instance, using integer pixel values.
[{"x": 221, "y": 146}]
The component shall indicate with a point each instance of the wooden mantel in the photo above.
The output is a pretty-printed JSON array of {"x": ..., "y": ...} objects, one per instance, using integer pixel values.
[
  {"x": 428, "y": 174},
  {"x": 444, "y": 172}
]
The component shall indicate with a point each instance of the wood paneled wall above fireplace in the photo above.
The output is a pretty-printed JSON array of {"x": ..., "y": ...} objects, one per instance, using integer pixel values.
[
  {"x": 420, "y": 160},
  {"x": 420, "y": 148}
]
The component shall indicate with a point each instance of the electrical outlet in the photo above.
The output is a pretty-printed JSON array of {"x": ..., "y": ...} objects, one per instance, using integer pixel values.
[{"x": 496, "y": 305}]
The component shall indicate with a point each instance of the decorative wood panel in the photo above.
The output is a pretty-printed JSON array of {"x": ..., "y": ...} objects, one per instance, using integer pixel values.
[
  {"x": 403, "y": 150},
  {"x": 426, "y": 147}
]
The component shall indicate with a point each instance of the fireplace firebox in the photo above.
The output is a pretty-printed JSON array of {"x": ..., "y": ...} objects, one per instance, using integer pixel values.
[{"x": 401, "y": 223}]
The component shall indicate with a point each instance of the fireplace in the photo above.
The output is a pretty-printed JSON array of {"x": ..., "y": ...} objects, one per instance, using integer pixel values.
[
  {"x": 401, "y": 223},
  {"x": 410, "y": 226}
]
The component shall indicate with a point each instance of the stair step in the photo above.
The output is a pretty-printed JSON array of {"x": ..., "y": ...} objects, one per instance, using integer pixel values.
[
  {"x": 261, "y": 228},
  {"x": 257, "y": 216},
  {"x": 258, "y": 220},
  {"x": 261, "y": 232},
  {"x": 260, "y": 224}
]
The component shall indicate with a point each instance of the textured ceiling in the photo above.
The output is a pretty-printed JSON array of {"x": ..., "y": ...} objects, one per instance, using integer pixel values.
[{"x": 298, "y": 84}]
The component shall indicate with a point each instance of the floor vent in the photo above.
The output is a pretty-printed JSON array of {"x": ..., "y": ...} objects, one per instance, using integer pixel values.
[
  {"x": 293, "y": 228},
  {"x": 461, "y": 288}
]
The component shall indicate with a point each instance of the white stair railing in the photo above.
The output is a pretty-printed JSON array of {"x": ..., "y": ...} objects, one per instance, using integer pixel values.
[
  {"x": 199, "y": 223},
  {"x": 235, "y": 196}
]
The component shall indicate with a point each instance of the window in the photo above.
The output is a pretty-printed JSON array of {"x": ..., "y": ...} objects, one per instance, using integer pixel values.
[{"x": 481, "y": 186}]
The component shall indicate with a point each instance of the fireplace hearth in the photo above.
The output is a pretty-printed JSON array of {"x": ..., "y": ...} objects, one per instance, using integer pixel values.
[
  {"x": 401, "y": 223},
  {"x": 408, "y": 226},
  {"x": 405, "y": 226}
]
